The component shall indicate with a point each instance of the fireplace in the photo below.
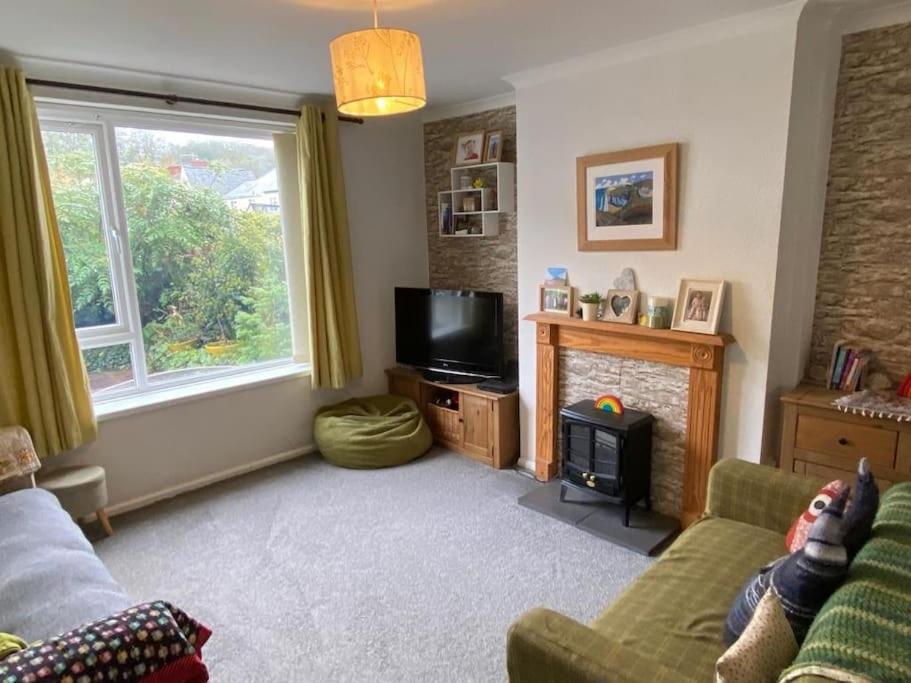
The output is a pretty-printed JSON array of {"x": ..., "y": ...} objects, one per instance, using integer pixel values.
[
  {"x": 607, "y": 454},
  {"x": 702, "y": 355}
]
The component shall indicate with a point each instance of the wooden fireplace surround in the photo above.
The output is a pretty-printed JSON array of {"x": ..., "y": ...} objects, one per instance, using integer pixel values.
[{"x": 703, "y": 354}]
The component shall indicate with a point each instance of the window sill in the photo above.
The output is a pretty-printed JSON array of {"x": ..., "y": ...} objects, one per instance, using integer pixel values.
[{"x": 130, "y": 405}]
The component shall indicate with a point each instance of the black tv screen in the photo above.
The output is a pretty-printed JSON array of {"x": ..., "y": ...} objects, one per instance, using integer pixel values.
[{"x": 449, "y": 330}]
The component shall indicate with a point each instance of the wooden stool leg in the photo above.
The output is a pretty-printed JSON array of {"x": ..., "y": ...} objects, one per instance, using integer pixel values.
[{"x": 105, "y": 522}]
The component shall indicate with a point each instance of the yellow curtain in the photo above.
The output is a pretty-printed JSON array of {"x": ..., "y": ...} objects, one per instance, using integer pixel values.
[
  {"x": 335, "y": 349},
  {"x": 43, "y": 383}
]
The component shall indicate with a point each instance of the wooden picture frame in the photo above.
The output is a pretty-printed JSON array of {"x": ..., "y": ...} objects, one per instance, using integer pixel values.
[
  {"x": 561, "y": 301},
  {"x": 492, "y": 156},
  {"x": 465, "y": 156},
  {"x": 627, "y": 200},
  {"x": 698, "y": 306},
  {"x": 621, "y": 306}
]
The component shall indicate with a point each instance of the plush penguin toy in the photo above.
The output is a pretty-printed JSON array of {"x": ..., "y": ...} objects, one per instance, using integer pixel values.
[{"x": 803, "y": 580}]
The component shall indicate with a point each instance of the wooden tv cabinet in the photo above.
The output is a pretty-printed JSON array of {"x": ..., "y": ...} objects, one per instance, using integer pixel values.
[{"x": 485, "y": 426}]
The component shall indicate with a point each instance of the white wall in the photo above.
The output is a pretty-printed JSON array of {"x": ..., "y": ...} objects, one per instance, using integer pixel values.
[
  {"x": 724, "y": 93},
  {"x": 804, "y": 195},
  {"x": 171, "y": 447}
]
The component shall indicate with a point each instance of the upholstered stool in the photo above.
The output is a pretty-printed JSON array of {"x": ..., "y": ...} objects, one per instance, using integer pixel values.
[{"x": 81, "y": 490}]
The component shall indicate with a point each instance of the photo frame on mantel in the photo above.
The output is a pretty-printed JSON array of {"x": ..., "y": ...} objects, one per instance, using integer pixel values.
[
  {"x": 627, "y": 200},
  {"x": 698, "y": 307}
]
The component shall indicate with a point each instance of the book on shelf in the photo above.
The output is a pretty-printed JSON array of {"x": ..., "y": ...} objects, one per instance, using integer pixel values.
[{"x": 848, "y": 367}]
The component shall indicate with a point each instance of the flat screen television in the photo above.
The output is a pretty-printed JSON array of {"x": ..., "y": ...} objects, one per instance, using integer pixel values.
[{"x": 452, "y": 334}]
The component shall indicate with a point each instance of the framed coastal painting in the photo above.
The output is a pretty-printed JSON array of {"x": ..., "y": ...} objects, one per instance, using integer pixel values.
[
  {"x": 627, "y": 200},
  {"x": 698, "y": 307}
]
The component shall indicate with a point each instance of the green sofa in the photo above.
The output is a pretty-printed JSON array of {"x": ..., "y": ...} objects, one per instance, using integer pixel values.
[{"x": 667, "y": 625}]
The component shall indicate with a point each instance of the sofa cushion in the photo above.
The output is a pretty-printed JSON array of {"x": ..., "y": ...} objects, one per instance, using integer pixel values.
[
  {"x": 675, "y": 611},
  {"x": 51, "y": 581},
  {"x": 764, "y": 649}
]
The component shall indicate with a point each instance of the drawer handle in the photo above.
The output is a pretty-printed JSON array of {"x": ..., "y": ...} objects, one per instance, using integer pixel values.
[{"x": 843, "y": 441}]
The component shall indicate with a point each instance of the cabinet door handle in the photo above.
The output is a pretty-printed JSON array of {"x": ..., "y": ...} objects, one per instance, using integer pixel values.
[{"x": 842, "y": 441}]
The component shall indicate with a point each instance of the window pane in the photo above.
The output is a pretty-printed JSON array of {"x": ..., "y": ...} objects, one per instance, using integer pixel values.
[
  {"x": 110, "y": 369},
  {"x": 208, "y": 255},
  {"x": 74, "y": 182}
]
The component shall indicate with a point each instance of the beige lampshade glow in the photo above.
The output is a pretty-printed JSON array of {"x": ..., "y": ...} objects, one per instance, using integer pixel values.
[{"x": 378, "y": 72}]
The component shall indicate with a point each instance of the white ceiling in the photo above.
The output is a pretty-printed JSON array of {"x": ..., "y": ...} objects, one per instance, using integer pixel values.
[{"x": 469, "y": 45}]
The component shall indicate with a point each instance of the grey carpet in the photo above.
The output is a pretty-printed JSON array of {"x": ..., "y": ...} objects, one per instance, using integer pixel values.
[{"x": 307, "y": 572}]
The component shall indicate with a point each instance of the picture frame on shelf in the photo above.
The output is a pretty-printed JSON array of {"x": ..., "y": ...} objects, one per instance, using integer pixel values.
[
  {"x": 627, "y": 200},
  {"x": 698, "y": 306},
  {"x": 493, "y": 146},
  {"x": 446, "y": 217},
  {"x": 469, "y": 149},
  {"x": 621, "y": 306},
  {"x": 557, "y": 276},
  {"x": 556, "y": 299}
]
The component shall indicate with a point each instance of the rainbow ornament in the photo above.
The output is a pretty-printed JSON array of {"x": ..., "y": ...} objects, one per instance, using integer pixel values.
[{"x": 609, "y": 404}]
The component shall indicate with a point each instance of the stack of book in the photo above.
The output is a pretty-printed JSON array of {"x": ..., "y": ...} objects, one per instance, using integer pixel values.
[{"x": 848, "y": 368}]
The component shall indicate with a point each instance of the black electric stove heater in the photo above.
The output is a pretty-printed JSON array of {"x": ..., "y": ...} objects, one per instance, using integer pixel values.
[{"x": 607, "y": 454}]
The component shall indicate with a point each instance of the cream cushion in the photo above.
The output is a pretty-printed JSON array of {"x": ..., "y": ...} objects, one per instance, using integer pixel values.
[
  {"x": 765, "y": 648},
  {"x": 81, "y": 490}
]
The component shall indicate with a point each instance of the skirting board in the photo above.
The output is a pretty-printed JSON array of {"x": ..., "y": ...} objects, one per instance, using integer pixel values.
[{"x": 208, "y": 480}]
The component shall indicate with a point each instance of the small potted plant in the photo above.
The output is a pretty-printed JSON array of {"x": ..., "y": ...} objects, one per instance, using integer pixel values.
[{"x": 590, "y": 304}]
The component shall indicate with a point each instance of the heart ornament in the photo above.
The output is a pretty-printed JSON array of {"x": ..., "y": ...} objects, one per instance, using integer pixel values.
[
  {"x": 619, "y": 304},
  {"x": 622, "y": 305}
]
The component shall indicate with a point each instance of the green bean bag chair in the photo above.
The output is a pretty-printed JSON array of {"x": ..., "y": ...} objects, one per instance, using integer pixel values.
[{"x": 371, "y": 432}]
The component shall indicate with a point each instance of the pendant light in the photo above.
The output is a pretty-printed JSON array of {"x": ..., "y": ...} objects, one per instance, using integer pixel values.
[{"x": 378, "y": 71}]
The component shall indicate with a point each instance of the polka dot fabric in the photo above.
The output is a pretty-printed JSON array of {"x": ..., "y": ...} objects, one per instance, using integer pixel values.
[{"x": 152, "y": 643}]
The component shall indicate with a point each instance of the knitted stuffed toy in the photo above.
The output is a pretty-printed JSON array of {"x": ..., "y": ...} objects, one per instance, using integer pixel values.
[
  {"x": 862, "y": 510},
  {"x": 803, "y": 580}
]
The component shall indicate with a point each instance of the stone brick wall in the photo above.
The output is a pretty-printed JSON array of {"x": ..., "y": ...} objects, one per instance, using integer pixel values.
[
  {"x": 483, "y": 263},
  {"x": 655, "y": 388},
  {"x": 865, "y": 260}
]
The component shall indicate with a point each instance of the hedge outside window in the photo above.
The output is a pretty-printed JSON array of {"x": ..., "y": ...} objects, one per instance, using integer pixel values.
[{"x": 174, "y": 248}]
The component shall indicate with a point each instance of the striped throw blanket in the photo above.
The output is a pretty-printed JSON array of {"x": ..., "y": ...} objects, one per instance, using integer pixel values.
[{"x": 863, "y": 632}]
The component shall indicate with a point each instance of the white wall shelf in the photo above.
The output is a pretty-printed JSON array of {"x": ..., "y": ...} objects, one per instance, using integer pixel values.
[{"x": 475, "y": 212}]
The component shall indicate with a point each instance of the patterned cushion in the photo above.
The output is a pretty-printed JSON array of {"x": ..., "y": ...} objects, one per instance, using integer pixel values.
[
  {"x": 138, "y": 644},
  {"x": 763, "y": 650},
  {"x": 17, "y": 454},
  {"x": 864, "y": 630},
  {"x": 797, "y": 534},
  {"x": 674, "y": 613}
]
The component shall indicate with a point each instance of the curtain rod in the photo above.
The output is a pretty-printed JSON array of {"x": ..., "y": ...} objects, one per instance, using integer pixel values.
[{"x": 175, "y": 99}]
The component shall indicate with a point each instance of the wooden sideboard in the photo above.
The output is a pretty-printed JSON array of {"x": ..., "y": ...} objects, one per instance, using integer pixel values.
[
  {"x": 485, "y": 426},
  {"x": 820, "y": 440}
]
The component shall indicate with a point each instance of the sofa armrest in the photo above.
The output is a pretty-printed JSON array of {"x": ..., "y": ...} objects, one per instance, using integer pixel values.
[
  {"x": 544, "y": 646},
  {"x": 763, "y": 496}
]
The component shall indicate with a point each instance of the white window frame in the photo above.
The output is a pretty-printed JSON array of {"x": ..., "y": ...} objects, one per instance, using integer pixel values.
[{"x": 102, "y": 122}]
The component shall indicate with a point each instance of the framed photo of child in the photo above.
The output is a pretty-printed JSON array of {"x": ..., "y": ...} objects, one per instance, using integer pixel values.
[
  {"x": 469, "y": 148},
  {"x": 698, "y": 307}
]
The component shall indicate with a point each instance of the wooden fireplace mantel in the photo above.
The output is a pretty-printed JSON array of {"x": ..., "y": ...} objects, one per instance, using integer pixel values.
[{"x": 703, "y": 354}]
